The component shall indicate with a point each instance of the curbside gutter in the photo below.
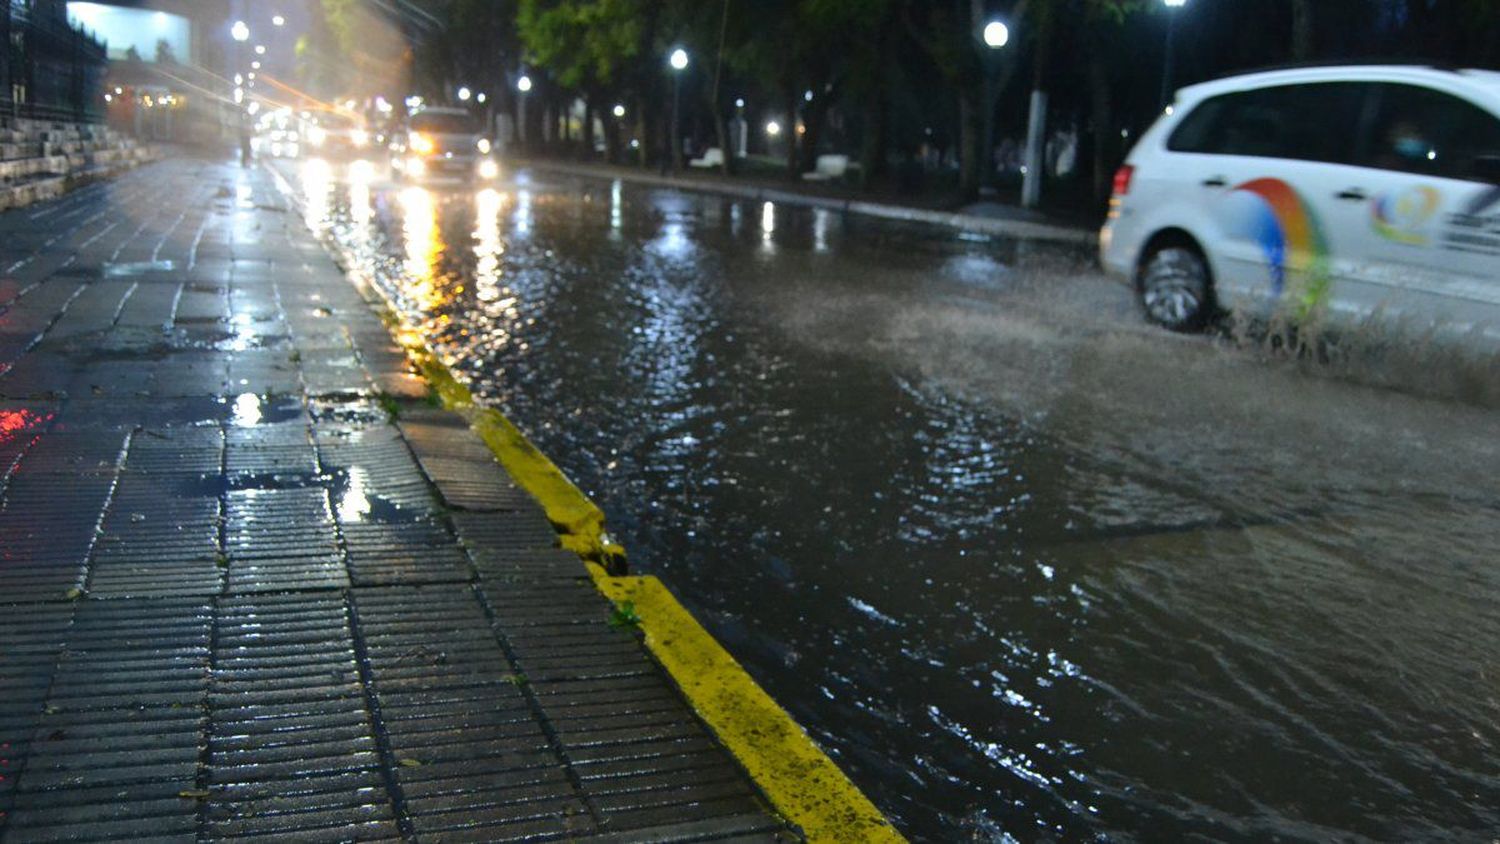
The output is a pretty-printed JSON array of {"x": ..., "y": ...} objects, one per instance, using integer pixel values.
[
  {"x": 905, "y": 213},
  {"x": 800, "y": 781}
]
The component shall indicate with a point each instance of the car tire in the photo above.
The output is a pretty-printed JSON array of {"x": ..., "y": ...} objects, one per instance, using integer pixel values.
[{"x": 1176, "y": 286}]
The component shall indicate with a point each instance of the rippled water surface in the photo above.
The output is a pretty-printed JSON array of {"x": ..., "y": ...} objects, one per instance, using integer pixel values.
[{"x": 1026, "y": 567}]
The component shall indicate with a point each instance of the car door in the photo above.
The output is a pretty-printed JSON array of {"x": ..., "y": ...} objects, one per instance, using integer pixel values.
[
  {"x": 1264, "y": 158},
  {"x": 1427, "y": 216}
]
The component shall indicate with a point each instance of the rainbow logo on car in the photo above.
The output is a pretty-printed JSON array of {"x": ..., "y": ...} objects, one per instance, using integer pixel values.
[
  {"x": 1289, "y": 234},
  {"x": 1402, "y": 217}
]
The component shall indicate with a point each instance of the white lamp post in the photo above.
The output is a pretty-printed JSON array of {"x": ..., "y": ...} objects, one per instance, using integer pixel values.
[
  {"x": 1166, "y": 69},
  {"x": 679, "y": 63},
  {"x": 523, "y": 85},
  {"x": 995, "y": 35}
]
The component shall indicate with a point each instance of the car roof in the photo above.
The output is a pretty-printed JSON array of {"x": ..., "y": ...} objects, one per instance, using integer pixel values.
[{"x": 1487, "y": 81}]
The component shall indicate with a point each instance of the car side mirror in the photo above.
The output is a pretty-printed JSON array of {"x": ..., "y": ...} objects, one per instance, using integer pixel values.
[{"x": 1487, "y": 168}]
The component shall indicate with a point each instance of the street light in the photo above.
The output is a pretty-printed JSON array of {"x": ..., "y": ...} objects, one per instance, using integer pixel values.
[
  {"x": 995, "y": 35},
  {"x": 240, "y": 31},
  {"x": 773, "y": 128},
  {"x": 260, "y": 49},
  {"x": 278, "y": 20},
  {"x": 464, "y": 94},
  {"x": 679, "y": 62},
  {"x": 1166, "y": 68},
  {"x": 619, "y": 111},
  {"x": 523, "y": 85}
]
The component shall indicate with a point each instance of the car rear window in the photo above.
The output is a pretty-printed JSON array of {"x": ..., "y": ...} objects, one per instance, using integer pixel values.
[
  {"x": 449, "y": 124},
  {"x": 1312, "y": 122}
]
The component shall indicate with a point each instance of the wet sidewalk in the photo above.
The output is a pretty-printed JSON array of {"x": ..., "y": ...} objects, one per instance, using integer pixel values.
[{"x": 252, "y": 584}]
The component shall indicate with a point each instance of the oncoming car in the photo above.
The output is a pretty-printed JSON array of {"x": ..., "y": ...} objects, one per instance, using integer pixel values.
[
  {"x": 337, "y": 135},
  {"x": 443, "y": 142},
  {"x": 1350, "y": 192}
]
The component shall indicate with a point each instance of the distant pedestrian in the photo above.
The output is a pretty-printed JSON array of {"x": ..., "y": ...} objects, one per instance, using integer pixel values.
[{"x": 247, "y": 135}]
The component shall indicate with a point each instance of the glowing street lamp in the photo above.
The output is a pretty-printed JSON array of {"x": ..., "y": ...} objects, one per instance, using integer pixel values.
[
  {"x": 523, "y": 85},
  {"x": 619, "y": 111},
  {"x": 464, "y": 94},
  {"x": 278, "y": 20},
  {"x": 240, "y": 31},
  {"x": 679, "y": 63},
  {"x": 996, "y": 35},
  {"x": 260, "y": 49}
]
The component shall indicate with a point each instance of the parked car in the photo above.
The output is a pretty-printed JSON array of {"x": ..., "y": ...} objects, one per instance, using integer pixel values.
[
  {"x": 1350, "y": 191},
  {"x": 443, "y": 142}
]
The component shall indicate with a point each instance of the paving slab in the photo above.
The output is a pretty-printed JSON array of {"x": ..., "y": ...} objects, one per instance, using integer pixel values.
[{"x": 238, "y": 599}]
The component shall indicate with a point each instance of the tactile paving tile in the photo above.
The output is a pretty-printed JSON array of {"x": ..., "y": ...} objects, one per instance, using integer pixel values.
[
  {"x": 493, "y": 535},
  {"x": 292, "y": 752},
  {"x": 382, "y": 462},
  {"x": 160, "y": 537},
  {"x": 269, "y": 450},
  {"x": 177, "y": 450},
  {"x": 119, "y": 736},
  {"x": 282, "y": 539},
  {"x": 475, "y": 764},
  {"x": 46, "y": 531},
  {"x": 33, "y": 636},
  {"x": 644, "y": 758},
  {"x": 461, "y": 466},
  {"x": 411, "y": 551},
  {"x": 75, "y": 453}
]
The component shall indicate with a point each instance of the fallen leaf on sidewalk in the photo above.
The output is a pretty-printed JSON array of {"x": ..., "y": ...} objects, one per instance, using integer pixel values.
[
  {"x": 195, "y": 794},
  {"x": 410, "y": 763}
]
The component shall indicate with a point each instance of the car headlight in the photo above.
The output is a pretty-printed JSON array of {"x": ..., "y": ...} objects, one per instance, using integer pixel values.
[
  {"x": 488, "y": 169},
  {"x": 421, "y": 144},
  {"x": 415, "y": 167},
  {"x": 484, "y": 146},
  {"x": 360, "y": 137}
]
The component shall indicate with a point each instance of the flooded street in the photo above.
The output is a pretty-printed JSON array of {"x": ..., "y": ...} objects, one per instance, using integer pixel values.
[{"x": 1026, "y": 566}]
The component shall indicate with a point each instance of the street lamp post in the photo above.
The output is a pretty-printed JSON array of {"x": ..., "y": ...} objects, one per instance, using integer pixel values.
[
  {"x": 679, "y": 63},
  {"x": 1166, "y": 70},
  {"x": 523, "y": 85},
  {"x": 996, "y": 35}
]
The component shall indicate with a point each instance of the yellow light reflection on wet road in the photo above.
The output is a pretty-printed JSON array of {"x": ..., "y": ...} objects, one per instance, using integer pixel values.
[{"x": 424, "y": 249}]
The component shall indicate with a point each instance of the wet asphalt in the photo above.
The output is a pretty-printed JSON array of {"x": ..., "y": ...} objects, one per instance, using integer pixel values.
[{"x": 1024, "y": 564}]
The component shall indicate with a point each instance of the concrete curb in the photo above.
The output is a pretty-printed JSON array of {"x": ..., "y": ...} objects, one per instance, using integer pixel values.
[
  {"x": 802, "y": 784},
  {"x": 757, "y": 193}
]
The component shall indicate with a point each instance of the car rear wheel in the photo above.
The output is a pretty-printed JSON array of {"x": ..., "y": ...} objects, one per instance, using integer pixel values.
[{"x": 1174, "y": 287}]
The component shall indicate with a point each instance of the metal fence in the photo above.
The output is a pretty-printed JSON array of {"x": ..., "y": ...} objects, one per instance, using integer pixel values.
[{"x": 48, "y": 69}]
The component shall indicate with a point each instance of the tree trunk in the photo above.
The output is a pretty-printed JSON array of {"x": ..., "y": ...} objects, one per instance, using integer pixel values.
[
  {"x": 1302, "y": 30},
  {"x": 969, "y": 129},
  {"x": 588, "y": 128}
]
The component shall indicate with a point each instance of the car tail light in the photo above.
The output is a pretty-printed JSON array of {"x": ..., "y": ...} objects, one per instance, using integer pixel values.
[{"x": 1123, "y": 177}]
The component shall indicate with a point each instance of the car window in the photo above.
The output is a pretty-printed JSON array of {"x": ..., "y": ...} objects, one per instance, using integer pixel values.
[
  {"x": 454, "y": 124},
  {"x": 1313, "y": 122},
  {"x": 1420, "y": 130}
]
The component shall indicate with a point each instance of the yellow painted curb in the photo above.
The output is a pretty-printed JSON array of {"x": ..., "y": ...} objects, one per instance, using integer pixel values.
[{"x": 804, "y": 785}]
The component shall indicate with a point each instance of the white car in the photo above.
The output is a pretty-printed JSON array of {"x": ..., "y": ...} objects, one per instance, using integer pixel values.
[
  {"x": 443, "y": 142},
  {"x": 1350, "y": 192}
]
